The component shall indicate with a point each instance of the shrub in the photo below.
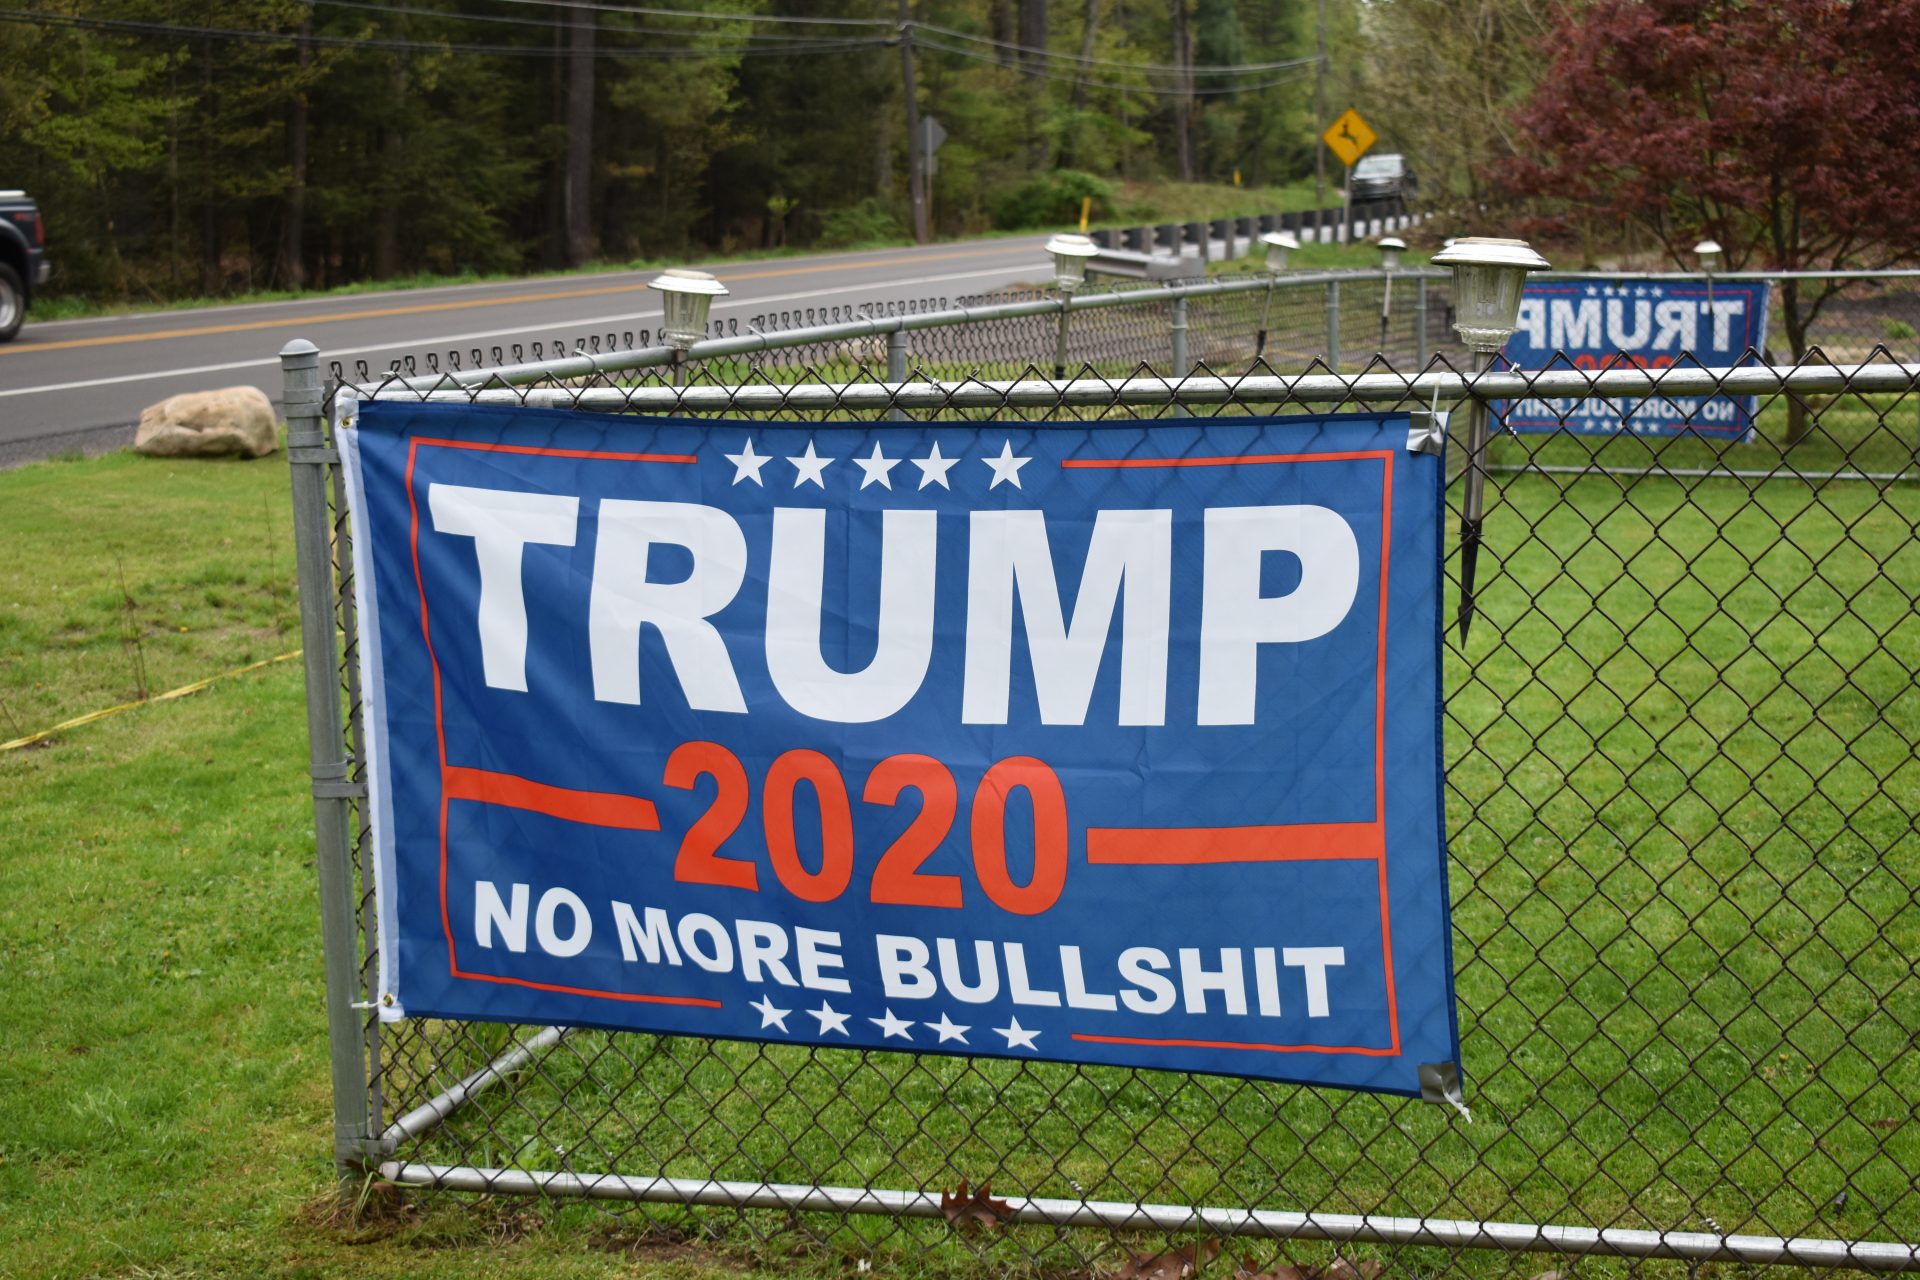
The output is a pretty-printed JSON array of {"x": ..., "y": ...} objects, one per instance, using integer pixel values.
[
  {"x": 1049, "y": 199},
  {"x": 861, "y": 223}
]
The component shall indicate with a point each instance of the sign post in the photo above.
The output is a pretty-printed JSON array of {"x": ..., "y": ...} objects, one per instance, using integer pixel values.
[
  {"x": 1349, "y": 137},
  {"x": 1115, "y": 745}
]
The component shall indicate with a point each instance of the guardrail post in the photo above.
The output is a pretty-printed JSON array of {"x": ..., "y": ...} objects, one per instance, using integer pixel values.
[
  {"x": 1420, "y": 324},
  {"x": 1333, "y": 325},
  {"x": 309, "y": 456}
]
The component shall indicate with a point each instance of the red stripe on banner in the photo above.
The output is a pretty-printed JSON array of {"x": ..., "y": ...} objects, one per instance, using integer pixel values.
[
  {"x": 630, "y": 997},
  {"x": 595, "y": 808},
  {"x": 1230, "y": 460},
  {"x": 1187, "y": 846},
  {"x": 682, "y": 459},
  {"x": 1359, "y": 1050}
]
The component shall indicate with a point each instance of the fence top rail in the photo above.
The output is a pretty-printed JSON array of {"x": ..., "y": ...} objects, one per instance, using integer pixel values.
[
  {"x": 1432, "y": 386},
  {"x": 585, "y": 364}
]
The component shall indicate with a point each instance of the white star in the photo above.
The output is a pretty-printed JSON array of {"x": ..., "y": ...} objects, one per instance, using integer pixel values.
[
  {"x": 829, "y": 1020},
  {"x": 947, "y": 1029},
  {"x": 747, "y": 463},
  {"x": 892, "y": 1026},
  {"x": 1006, "y": 466},
  {"x": 876, "y": 468},
  {"x": 933, "y": 467},
  {"x": 770, "y": 1016},
  {"x": 1018, "y": 1037},
  {"x": 809, "y": 465}
]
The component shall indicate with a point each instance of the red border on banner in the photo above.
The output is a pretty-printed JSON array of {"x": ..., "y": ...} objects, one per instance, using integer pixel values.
[
  {"x": 486, "y": 787},
  {"x": 1110, "y": 846},
  {"x": 1293, "y": 842}
]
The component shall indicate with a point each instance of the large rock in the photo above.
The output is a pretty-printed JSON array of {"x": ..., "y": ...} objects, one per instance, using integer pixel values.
[{"x": 237, "y": 422}]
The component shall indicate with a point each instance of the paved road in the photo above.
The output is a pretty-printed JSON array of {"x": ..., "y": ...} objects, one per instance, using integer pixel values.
[{"x": 80, "y": 384}]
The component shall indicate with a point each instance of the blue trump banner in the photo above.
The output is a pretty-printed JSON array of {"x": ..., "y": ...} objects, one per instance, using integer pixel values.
[
  {"x": 1093, "y": 742},
  {"x": 1637, "y": 324}
]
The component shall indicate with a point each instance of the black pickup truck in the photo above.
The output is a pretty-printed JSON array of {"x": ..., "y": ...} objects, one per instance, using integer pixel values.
[{"x": 23, "y": 259}]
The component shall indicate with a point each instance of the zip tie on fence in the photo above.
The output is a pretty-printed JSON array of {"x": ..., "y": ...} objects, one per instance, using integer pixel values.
[{"x": 168, "y": 696}]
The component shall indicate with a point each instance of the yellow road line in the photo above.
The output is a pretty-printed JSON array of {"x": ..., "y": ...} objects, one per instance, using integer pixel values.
[
  {"x": 423, "y": 308},
  {"x": 169, "y": 695}
]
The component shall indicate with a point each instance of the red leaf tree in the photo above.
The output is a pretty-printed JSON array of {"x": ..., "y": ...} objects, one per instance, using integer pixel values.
[{"x": 1788, "y": 130}]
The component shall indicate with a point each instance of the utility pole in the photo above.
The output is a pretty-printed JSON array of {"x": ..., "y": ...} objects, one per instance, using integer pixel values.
[
  {"x": 1320, "y": 109},
  {"x": 916, "y": 162}
]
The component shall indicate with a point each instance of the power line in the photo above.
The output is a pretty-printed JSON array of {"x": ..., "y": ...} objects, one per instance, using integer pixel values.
[
  {"x": 612, "y": 6},
  {"x": 547, "y": 24},
  {"x": 422, "y": 46},
  {"x": 1121, "y": 87},
  {"x": 651, "y": 11},
  {"x": 1238, "y": 68}
]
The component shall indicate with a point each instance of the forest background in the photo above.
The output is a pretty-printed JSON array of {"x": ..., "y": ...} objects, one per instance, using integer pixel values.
[{"x": 208, "y": 147}]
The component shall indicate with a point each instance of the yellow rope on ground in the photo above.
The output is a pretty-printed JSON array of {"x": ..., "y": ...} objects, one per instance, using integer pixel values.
[{"x": 170, "y": 694}]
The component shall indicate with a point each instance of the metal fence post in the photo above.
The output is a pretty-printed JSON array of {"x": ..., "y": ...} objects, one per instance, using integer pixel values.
[
  {"x": 897, "y": 354},
  {"x": 1420, "y": 324},
  {"x": 1179, "y": 345},
  {"x": 1333, "y": 324},
  {"x": 897, "y": 361},
  {"x": 309, "y": 456}
]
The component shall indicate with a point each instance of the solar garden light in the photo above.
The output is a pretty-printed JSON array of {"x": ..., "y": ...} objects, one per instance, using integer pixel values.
[
  {"x": 1488, "y": 277},
  {"x": 685, "y": 299},
  {"x": 1391, "y": 247},
  {"x": 1278, "y": 245},
  {"x": 1709, "y": 253},
  {"x": 1070, "y": 253}
]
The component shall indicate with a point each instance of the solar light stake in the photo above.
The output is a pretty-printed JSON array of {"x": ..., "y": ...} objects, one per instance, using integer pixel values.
[
  {"x": 1488, "y": 277},
  {"x": 686, "y": 298},
  {"x": 1070, "y": 254},
  {"x": 1278, "y": 245},
  {"x": 1390, "y": 250},
  {"x": 1708, "y": 252}
]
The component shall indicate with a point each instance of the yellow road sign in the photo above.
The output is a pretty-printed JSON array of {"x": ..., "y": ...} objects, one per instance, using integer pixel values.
[{"x": 1349, "y": 137}]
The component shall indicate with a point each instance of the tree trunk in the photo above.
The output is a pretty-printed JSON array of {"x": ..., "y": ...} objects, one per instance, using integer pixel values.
[
  {"x": 1033, "y": 36},
  {"x": 1089, "y": 28},
  {"x": 1183, "y": 99},
  {"x": 916, "y": 164},
  {"x": 386, "y": 227},
  {"x": 1000, "y": 23},
  {"x": 579, "y": 180},
  {"x": 209, "y": 195},
  {"x": 293, "y": 249},
  {"x": 1799, "y": 422}
]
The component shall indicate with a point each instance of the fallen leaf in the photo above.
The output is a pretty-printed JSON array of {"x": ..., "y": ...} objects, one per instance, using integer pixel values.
[
  {"x": 1175, "y": 1264},
  {"x": 1888, "y": 1123},
  {"x": 1342, "y": 1269},
  {"x": 966, "y": 1209},
  {"x": 1249, "y": 1270}
]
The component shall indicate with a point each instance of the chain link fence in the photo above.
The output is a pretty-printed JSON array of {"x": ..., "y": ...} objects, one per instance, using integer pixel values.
[{"x": 1683, "y": 778}]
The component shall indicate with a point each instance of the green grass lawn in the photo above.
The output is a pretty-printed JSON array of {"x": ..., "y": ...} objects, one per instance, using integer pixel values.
[{"x": 1683, "y": 787}]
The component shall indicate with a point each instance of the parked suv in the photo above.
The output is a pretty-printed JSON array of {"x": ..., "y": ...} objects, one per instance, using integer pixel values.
[
  {"x": 23, "y": 259},
  {"x": 1383, "y": 176}
]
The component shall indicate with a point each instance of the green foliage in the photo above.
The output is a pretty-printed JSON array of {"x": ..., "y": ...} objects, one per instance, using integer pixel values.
[
  {"x": 237, "y": 146},
  {"x": 867, "y": 222},
  {"x": 1896, "y": 330},
  {"x": 1050, "y": 199}
]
